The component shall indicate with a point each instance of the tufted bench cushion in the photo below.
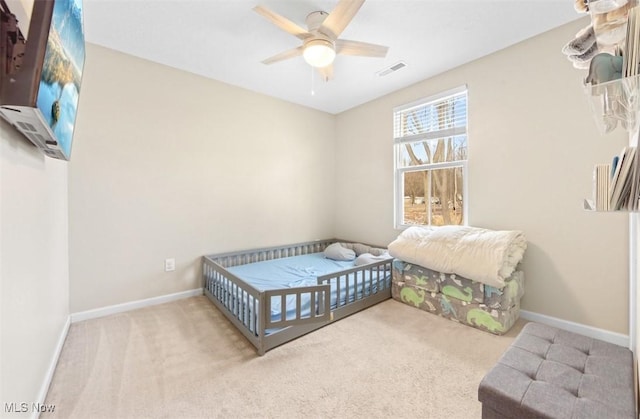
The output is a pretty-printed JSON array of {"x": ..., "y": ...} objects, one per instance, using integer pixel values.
[{"x": 552, "y": 373}]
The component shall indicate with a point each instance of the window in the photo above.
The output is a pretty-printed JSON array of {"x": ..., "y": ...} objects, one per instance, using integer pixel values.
[{"x": 430, "y": 148}]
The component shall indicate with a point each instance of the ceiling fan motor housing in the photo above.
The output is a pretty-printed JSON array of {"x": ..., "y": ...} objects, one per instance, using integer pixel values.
[{"x": 315, "y": 19}]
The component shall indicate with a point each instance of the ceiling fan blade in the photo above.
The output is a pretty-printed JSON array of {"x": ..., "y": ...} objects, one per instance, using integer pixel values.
[
  {"x": 282, "y": 22},
  {"x": 364, "y": 49},
  {"x": 284, "y": 55},
  {"x": 340, "y": 17},
  {"x": 326, "y": 72}
]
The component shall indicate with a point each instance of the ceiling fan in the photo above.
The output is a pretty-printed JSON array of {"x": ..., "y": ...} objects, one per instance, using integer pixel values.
[{"x": 320, "y": 42}]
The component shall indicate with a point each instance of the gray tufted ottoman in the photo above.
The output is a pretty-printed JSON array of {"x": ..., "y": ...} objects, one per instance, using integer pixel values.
[{"x": 552, "y": 373}]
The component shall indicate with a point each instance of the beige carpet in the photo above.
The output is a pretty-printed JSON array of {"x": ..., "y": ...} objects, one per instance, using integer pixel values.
[{"x": 184, "y": 359}]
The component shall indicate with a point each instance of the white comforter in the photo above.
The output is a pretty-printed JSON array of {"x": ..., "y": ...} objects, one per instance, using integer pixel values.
[{"x": 478, "y": 254}]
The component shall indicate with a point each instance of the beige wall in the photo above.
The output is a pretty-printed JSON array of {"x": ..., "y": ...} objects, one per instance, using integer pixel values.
[
  {"x": 34, "y": 279},
  {"x": 169, "y": 164},
  {"x": 156, "y": 174},
  {"x": 532, "y": 147}
]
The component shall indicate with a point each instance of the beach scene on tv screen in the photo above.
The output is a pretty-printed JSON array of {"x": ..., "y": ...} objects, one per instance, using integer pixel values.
[{"x": 62, "y": 71}]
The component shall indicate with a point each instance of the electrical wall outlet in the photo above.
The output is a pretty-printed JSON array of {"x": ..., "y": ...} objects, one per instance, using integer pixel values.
[{"x": 169, "y": 265}]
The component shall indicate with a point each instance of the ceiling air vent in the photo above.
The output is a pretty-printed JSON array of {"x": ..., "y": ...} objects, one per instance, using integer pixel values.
[{"x": 397, "y": 66}]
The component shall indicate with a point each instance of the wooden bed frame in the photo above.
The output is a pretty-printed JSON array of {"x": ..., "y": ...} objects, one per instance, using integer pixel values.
[{"x": 249, "y": 308}]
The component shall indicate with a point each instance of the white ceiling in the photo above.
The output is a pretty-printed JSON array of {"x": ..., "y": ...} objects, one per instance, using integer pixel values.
[{"x": 226, "y": 40}]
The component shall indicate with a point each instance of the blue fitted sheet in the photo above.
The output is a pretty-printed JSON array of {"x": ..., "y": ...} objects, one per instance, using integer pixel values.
[
  {"x": 303, "y": 270},
  {"x": 289, "y": 272}
]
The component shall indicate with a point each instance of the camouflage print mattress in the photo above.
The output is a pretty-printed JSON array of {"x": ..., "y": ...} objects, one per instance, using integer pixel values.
[{"x": 460, "y": 299}]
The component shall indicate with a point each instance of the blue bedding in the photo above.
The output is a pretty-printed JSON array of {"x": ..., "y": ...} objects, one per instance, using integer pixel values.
[
  {"x": 290, "y": 272},
  {"x": 303, "y": 270}
]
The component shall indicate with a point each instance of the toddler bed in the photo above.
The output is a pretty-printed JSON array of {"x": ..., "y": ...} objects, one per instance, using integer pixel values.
[
  {"x": 277, "y": 294},
  {"x": 466, "y": 274}
]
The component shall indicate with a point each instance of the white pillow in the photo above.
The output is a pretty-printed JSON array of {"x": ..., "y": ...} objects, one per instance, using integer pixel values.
[
  {"x": 360, "y": 248},
  {"x": 365, "y": 258},
  {"x": 336, "y": 252}
]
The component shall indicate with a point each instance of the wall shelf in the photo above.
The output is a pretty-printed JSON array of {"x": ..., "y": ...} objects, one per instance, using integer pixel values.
[
  {"x": 615, "y": 104},
  {"x": 589, "y": 206}
]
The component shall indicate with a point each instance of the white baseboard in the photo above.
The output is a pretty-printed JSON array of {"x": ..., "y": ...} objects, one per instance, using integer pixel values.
[
  {"x": 44, "y": 389},
  {"x": 592, "y": 332},
  {"x": 132, "y": 305}
]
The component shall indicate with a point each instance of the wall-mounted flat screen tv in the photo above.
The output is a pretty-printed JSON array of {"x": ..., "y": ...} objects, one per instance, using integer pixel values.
[{"x": 40, "y": 75}]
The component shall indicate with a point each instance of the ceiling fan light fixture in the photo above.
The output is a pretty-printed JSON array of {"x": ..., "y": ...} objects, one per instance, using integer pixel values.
[{"x": 319, "y": 53}]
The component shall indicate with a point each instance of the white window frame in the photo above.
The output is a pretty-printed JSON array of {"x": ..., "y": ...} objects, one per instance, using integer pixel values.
[{"x": 399, "y": 141}]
